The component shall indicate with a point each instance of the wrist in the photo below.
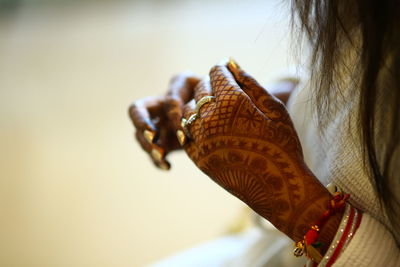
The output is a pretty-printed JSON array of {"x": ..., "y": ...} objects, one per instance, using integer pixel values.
[
  {"x": 348, "y": 226},
  {"x": 321, "y": 234},
  {"x": 328, "y": 232},
  {"x": 316, "y": 202}
]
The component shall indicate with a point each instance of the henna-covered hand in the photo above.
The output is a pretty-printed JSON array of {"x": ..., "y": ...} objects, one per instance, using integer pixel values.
[
  {"x": 156, "y": 118},
  {"x": 156, "y": 128},
  {"x": 245, "y": 141}
]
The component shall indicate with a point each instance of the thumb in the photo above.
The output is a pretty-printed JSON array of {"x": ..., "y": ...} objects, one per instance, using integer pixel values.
[{"x": 261, "y": 98}]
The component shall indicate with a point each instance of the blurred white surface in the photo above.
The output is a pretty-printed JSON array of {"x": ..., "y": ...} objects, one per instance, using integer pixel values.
[{"x": 75, "y": 189}]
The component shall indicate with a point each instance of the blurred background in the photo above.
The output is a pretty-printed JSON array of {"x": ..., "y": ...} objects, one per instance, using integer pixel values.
[{"x": 75, "y": 188}]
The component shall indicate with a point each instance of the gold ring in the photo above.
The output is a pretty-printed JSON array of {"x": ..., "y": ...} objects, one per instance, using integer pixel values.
[
  {"x": 204, "y": 100},
  {"x": 185, "y": 123},
  {"x": 185, "y": 129},
  {"x": 191, "y": 119}
]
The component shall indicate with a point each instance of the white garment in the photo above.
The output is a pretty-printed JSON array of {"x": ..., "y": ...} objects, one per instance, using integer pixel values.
[{"x": 335, "y": 156}]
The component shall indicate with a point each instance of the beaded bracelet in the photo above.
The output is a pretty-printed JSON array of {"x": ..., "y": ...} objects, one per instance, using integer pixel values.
[{"x": 309, "y": 244}]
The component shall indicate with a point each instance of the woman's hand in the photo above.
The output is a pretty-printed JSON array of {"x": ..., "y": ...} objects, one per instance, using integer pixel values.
[
  {"x": 156, "y": 118},
  {"x": 155, "y": 128},
  {"x": 245, "y": 141}
]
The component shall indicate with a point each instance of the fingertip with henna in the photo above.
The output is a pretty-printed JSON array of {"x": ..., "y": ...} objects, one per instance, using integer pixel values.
[
  {"x": 181, "y": 137},
  {"x": 233, "y": 64},
  {"x": 149, "y": 136},
  {"x": 164, "y": 165},
  {"x": 157, "y": 153}
]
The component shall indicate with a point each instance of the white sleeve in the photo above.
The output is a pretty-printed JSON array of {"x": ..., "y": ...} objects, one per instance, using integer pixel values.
[
  {"x": 361, "y": 241},
  {"x": 371, "y": 245}
]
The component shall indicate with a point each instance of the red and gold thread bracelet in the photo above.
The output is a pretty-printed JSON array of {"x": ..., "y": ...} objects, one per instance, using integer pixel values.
[{"x": 309, "y": 244}]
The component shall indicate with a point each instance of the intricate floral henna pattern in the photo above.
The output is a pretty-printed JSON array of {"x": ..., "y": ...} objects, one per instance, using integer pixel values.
[{"x": 246, "y": 143}]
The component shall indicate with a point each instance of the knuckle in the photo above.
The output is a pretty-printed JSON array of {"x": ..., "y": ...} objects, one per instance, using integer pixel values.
[
  {"x": 242, "y": 97},
  {"x": 193, "y": 80},
  {"x": 136, "y": 106},
  {"x": 171, "y": 102},
  {"x": 132, "y": 108},
  {"x": 207, "y": 121},
  {"x": 215, "y": 69}
]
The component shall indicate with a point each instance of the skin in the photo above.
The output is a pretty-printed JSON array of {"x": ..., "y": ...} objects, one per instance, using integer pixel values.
[
  {"x": 151, "y": 114},
  {"x": 162, "y": 114},
  {"x": 245, "y": 142}
]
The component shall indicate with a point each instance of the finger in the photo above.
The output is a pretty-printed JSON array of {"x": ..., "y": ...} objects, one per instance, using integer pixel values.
[
  {"x": 262, "y": 99},
  {"x": 141, "y": 113},
  {"x": 181, "y": 87},
  {"x": 188, "y": 119},
  {"x": 155, "y": 152},
  {"x": 248, "y": 84},
  {"x": 223, "y": 83},
  {"x": 158, "y": 156},
  {"x": 189, "y": 109},
  {"x": 202, "y": 89},
  {"x": 146, "y": 146},
  {"x": 180, "y": 92},
  {"x": 149, "y": 134},
  {"x": 204, "y": 99}
]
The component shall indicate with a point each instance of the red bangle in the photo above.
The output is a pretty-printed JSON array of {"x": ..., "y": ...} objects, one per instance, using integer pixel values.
[{"x": 309, "y": 244}]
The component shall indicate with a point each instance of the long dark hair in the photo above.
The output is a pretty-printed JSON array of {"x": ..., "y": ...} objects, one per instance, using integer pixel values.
[{"x": 372, "y": 29}]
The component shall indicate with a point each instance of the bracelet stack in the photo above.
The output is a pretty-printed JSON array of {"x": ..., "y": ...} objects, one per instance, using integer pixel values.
[
  {"x": 347, "y": 228},
  {"x": 350, "y": 222}
]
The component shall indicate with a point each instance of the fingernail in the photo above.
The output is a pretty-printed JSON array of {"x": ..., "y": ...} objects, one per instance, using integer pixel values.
[
  {"x": 149, "y": 136},
  {"x": 183, "y": 122},
  {"x": 233, "y": 63},
  {"x": 164, "y": 166},
  {"x": 156, "y": 154},
  {"x": 181, "y": 137}
]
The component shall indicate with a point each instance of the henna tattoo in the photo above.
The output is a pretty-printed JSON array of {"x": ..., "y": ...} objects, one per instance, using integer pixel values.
[
  {"x": 247, "y": 144},
  {"x": 161, "y": 117}
]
